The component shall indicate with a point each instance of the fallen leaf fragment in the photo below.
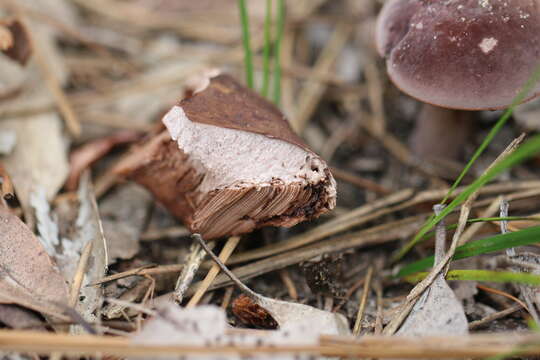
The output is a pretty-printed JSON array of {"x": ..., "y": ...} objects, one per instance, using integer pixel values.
[
  {"x": 124, "y": 215},
  {"x": 229, "y": 163},
  {"x": 28, "y": 276},
  {"x": 14, "y": 41},
  {"x": 438, "y": 311},
  {"x": 84, "y": 156},
  {"x": 39, "y": 156},
  {"x": 282, "y": 313},
  {"x": 207, "y": 326}
]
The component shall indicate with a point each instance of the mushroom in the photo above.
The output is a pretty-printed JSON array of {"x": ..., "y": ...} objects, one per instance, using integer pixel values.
[
  {"x": 460, "y": 54},
  {"x": 228, "y": 162}
]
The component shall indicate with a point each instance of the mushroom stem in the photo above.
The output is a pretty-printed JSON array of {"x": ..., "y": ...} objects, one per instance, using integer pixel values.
[{"x": 440, "y": 134}]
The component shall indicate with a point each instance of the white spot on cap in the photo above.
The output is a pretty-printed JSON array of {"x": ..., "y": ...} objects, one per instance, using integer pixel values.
[{"x": 488, "y": 44}]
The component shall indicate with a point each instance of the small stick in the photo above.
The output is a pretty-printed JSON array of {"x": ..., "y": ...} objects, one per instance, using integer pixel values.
[
  {"x": 442, "y": 266},
  {"x": 504, "y": 224},
  {"x": 224, "y": 268},
  {"x": 495, "y": 316},
  {"x": 440, "y": 235},
  {"x": 502, "y": 293},
  {"x": 79, "y": 274},
  {"x": 474, "y": 228},
  {"x": 188, "y": 272},
  {"x": 363, "y": 301},
  {"x": 227, "y": 297},
  {"x": 227, "y": 250},
  {"x": 289, "y": 284}
]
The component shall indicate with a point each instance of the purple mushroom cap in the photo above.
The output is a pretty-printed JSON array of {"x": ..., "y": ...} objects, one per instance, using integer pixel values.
[{"x": 461, "y": 54}]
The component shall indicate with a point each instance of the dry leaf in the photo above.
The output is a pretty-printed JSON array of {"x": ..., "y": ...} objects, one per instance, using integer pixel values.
[
  {"x": 124, "y": 214},
  {"x": 19, "y": 48},
  {"x": 66, "y": 249},
  {"x": 437, "y": 311},
  {"x": 207, "y": 326},
  {"x": 28, "y": 275},
  {"x": 39, "y": 157},
  {"x": 84, "y": 156}
]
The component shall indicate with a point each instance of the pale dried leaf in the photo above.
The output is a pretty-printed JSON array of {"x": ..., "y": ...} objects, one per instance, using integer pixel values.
[
  {"x": 207, "y": 326},
  {"x": 437, "y": 312},
  {"x": 288, "y": 314},
  {"x": 47, "y": 227},
  {"x": 39, "y": 157},
  {"x": 8, "y": 139},
  {"x": 12, "y": 77}
]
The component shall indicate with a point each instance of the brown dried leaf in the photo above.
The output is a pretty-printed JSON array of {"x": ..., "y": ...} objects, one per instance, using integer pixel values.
[
  {"x": 19, "y": 48},
  {"x": 28, "y": 276},
  {"x": 84, "y": 156}
]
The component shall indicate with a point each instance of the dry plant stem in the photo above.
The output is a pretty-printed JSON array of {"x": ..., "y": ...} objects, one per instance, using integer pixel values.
[
  {"x": 377, "y": 235},
  {"x": 363, "y": 302},
  {"x": 375, "y": 96},
  {"x": 227, "y": 297},
  {"x": 502, "y": 293},
  {"x": 223, "y": 268},
  {"x": 314, "y": 90},
  {"x": 79, "y": 274},
  {"x": 471, "y": 346},
  {"x": 170, "y": 232},
  {"x": 142, "y": 271},
  {"x": 511, "y": 253},
  {"x": 474, "y": 228},
  {"x": 359, "y": 181},
  {"x": 127, "y": 304},
  {"x": 404, "y": 199},
  {"x": 193, "y": 262},
  {"x": 349, "y": 293},
  {"x": 394, "y": 146},
  {"x": 289, "y": 284},
  {"x": 54, "y": 85},
  {"x": 227, "y": 250},
  {"x": 504, "y": 205},
  {"x": 495, "y": 316},
  {"x": 442, "y": 266}
]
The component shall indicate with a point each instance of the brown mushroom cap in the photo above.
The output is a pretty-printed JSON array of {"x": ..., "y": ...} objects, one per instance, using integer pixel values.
[{"x": 461, "y": 54}]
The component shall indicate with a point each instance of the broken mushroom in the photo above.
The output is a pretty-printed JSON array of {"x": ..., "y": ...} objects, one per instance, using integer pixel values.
[
  {"x": 462, "y": 54},
  {"x": 228, "y": 162}
]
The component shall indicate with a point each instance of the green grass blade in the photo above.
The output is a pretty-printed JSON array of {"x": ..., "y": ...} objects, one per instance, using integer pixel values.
[
  {"x": 490, "y": 219},
  {"x": 478, "y": 247},
  {"x": 277, "y": 52},
  {"x": 484, "y": 275},
  {"x": 433, "y": 220},
  {"x": 266, "y": 49},
  {"x": 248, "y": 56},
  {"x": 531, "y": 82}
]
